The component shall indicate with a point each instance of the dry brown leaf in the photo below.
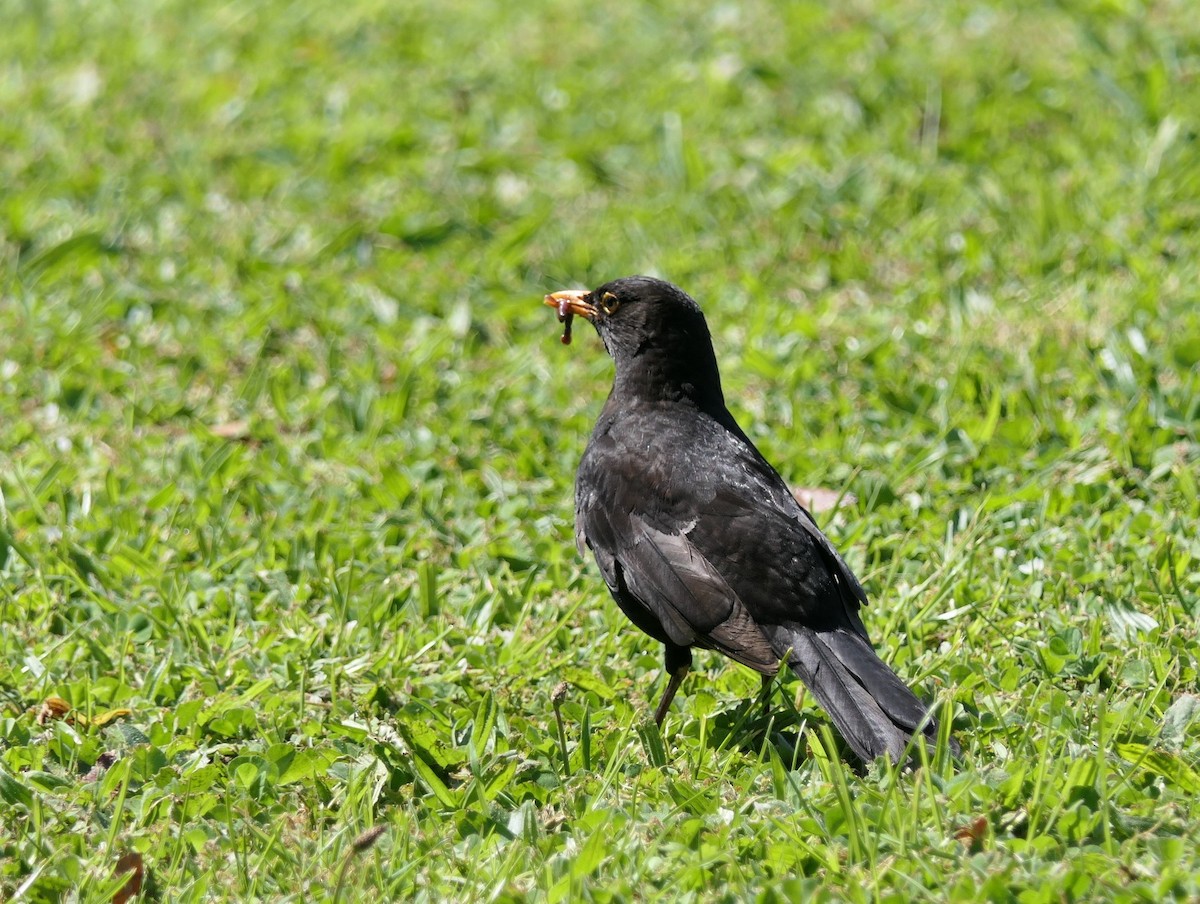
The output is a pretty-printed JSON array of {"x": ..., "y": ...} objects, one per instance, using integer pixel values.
[
  {"x": 130, "y": 862},
  {"x": 102, "y": 764},
  {"x": 106, "y": 717},
  {"x": 53, "y": 708},
  {"x": 973, "y": 833},
  {"x": 231, "y": 430},
  {"x": 819, "y": 499},
  {"x": 368, "y": 838}
]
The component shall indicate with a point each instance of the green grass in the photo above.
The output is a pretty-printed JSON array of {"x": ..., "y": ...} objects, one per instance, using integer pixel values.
[{"x": 289, "y": 442}]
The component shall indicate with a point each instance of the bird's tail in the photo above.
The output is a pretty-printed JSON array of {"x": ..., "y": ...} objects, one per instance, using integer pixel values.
[{"x": 873, "y": 709}]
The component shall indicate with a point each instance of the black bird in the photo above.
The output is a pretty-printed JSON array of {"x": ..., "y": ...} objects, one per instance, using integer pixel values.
[{"x": 700, "y": 540}]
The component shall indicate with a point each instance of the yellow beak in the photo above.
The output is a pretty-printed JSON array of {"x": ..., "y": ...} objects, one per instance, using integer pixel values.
[{"x": 571, "y": 301}]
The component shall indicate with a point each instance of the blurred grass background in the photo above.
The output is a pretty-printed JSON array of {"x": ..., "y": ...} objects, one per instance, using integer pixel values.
[{"x": 289, "y": 441}]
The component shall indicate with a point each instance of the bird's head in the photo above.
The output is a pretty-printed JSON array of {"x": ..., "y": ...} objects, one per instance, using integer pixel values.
[{"x": 654, "y": 331}]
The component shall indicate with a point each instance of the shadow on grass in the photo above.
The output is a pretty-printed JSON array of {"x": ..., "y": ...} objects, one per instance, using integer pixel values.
[{"x": 750, "y": 726}]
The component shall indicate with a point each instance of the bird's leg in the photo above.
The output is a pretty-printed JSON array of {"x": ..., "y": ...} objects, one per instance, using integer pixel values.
[
  {"x": 677, "y": 661},
  {"x": 798, "y": 703},
  {"x": 664, "y": 704},
  {"x": 765, "y": 694}
]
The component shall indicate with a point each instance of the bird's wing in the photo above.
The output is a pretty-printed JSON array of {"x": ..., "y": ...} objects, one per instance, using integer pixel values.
[
  {"x": 775, "y": 557},
  {"x": 691, "y": 599},
  {"x": 832, "y": 556},
  {"x": 660, "y": 573},
  {"x": 760, "y": 488}
]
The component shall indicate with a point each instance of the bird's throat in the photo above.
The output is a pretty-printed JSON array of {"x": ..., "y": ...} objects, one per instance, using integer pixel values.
[{"x": 657, "y": 378}]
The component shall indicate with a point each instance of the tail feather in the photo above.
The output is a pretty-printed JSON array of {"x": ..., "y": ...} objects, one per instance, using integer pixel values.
[{"x": 873, "y": 709}]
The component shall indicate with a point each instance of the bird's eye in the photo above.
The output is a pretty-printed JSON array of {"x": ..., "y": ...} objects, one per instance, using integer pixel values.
[{"x": 609, "y": 303}]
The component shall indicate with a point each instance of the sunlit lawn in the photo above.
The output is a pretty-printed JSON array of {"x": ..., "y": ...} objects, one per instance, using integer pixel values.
[{"x": 289, "y": 443}]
